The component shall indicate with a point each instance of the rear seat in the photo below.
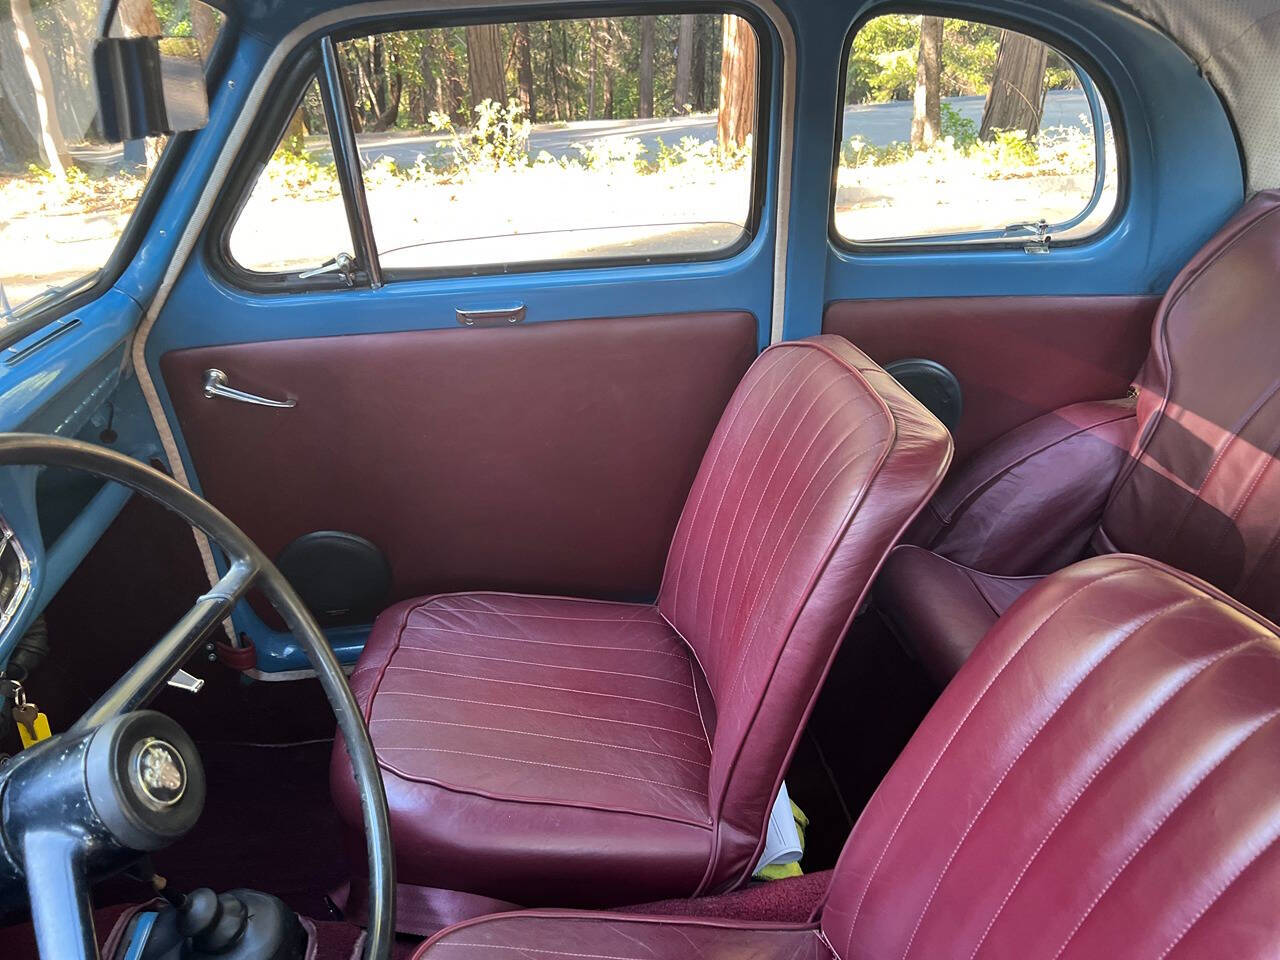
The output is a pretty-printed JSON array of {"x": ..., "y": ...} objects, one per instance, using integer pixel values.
[{"x": 1185, "y": 475}]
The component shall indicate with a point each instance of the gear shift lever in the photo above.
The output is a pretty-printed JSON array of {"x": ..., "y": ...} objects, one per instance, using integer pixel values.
[{"x": 236, "y": 925}]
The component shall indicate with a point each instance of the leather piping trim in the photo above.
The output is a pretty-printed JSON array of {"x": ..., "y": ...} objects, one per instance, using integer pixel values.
[
  {"x": 1173, "y": 298},
  {"x": 836, "y": 540},
  {"x": 490, "y": 795},
  {"x": 717, "y": 923},
  {"x": 980, "y": 487},
  {"x": 785, "y": 130}
]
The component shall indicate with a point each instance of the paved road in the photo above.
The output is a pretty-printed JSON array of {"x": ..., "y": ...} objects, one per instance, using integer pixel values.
[{"x": 878, "y": 124}]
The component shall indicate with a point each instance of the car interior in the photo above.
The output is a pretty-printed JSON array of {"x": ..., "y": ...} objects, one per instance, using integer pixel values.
[{"x": 724, "y": 479}]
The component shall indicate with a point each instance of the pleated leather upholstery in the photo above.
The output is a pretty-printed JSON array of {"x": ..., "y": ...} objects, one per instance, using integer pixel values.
[
  {"x": 1202, "y": 487},
  {"x": 819, "y": 461},
  {"x": 1101, "y": 779}
]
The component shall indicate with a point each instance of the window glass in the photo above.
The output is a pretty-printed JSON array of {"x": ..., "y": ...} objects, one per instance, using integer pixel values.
[
  {"x": 955, "y": 131},
  {"x": 550, "y": 141},
  {"x": 65, "y": 194},
  {"x": 295, "y": 220}
]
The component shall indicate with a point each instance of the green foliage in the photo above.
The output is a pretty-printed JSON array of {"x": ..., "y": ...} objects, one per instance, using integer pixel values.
[
  {"x": 962, "y": 131},
  {"x": 1013, "y": 148},
  {"x": 606, "y": 153},
  {"x": 969, "y": 53},
  {"x": 882, "y": 61},
  {"x": 498, "y": 138}
]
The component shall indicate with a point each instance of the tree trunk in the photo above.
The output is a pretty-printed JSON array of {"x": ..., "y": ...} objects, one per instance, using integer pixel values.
[
  {"x": 926, "y": 119},
  {"x": 684, "y": 63},
  {"x": 295, "y": 135},
  {"x": 647, "y": 28},
  {"x": 17, "y": 145},
  {"x": 52, "y": 143},
  {"x": 591, "y": 71},
  {"x": 138, "y": 17},
  {"x": 737, "y": 83},
  {"x": 385, "y": 118},
  {"x": 524, "y": 71},
  {"x": 430, "y": 84},
  {"x": 1016, "y": 98},
  {"x": 698, "y": 94},
  {"x": 204, "y": 24},
  {"x": 484, "y": 64}
]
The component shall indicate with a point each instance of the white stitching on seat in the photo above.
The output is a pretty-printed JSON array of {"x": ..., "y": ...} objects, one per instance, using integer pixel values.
[
  {"x": 540, "y": 686},
  {"x": 757, "y": 609},
  {"x": 777, "y": 462},
  {"x": 1141, "y": 625},
  {"x": 710, "y": 461},
  {"x": 548, "y": 666},
  {"x": 547, "y": 736},
  {"x": 751, "y": 523},
  {"x": 746, "y": 441},
  {"x": 1182, "y": 798},
  {"x": 429, "y": 609},
  {"x": 1097, "y": 771},
  {"x": 558, "y": 713},
  {"x": 956, "y": 731},
  {"x": 549, "y": 643},
  {"x": 553, "y": 766},
  {"x": 1218, "y": 896}
]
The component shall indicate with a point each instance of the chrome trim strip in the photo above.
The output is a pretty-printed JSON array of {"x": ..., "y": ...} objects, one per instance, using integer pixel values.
[{"x": 9, "y": 541}]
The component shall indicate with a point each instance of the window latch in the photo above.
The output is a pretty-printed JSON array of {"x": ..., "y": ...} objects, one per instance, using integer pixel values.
[
  {"x": 1039, "y": 229},
  {"x": 343, "y": 264}
]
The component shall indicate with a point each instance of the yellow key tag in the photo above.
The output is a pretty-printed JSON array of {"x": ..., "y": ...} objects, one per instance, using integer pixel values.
[{"x": 34, "y": 730}]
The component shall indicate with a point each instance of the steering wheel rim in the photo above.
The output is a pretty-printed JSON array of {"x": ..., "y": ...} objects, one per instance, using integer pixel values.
[{"x": 249, "y": 567}]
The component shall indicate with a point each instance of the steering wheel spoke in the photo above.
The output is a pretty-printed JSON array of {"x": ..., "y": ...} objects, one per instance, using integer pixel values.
[
  {"x": 141, "y": 684},
  {"x": 58, "y": 884},
  {"x": 61, "y": 911}
]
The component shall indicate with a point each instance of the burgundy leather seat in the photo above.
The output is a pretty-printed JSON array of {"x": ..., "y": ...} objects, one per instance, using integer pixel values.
[
  {"x": 550, "y": 750},
  {"x": 1102, "y": 779},
  {"x": 1185, "y": 473}
]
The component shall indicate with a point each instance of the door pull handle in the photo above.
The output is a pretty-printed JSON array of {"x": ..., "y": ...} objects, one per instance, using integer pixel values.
[{"x": 215, "y": 385}]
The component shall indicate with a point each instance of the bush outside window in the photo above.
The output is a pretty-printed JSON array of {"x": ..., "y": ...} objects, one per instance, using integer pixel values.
[
  {"x": 503, "y": 146},
  {"x": 956, "y": 131},
  {"x": 65, "y": 194}
]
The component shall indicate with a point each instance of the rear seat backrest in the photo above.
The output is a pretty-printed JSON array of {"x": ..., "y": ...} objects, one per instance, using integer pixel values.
[
  {"x": 817, "y": 465},
  {"x": 1202, "y": 488}
]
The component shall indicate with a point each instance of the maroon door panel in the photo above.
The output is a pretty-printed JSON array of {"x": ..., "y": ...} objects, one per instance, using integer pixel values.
[
  {"x": 1015, "y": 357},
  {"x": 552, "y": 457}
]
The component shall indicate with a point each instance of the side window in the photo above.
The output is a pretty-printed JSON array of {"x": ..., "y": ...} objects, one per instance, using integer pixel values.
[
  {"x": 294, "y": 219},
  {"x": 530, "y": 144},
  {"x": 955, "y": 131},
  {"x": 67, "y": 195}
]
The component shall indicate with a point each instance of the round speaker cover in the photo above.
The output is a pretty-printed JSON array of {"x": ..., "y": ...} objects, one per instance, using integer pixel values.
[{"x": 342, "y": 577}]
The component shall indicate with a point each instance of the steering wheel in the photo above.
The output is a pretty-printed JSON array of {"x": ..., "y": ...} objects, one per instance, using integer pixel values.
[{"x": 124, "y": 781}]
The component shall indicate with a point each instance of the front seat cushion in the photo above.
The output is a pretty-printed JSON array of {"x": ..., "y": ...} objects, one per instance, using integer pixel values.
[
  {"x": 939, "y": 610},
  {"x": 537, "y": 746}
]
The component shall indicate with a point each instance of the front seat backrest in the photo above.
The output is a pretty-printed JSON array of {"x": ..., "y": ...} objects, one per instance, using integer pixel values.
[
  {"x": 1201, "y": 490},
  {"x": 817, "y": 465},
  {"x": 1100, "y": 780}
]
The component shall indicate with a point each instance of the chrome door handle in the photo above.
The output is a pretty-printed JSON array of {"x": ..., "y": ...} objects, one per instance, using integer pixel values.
[
  {"x": 490, "y": 316},
  {"x": 215, "y": 385}
]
